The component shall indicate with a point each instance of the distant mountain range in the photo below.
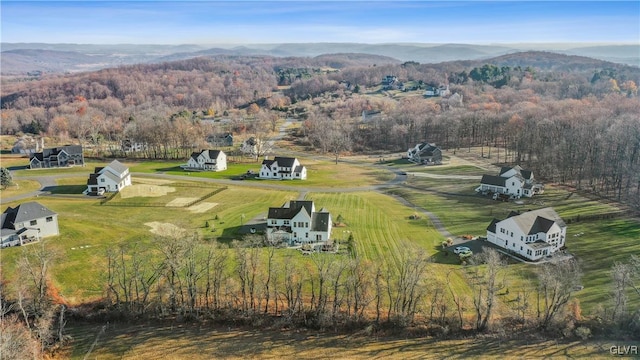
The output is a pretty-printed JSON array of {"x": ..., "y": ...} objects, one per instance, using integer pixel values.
[{"x": 24, "y": 58}]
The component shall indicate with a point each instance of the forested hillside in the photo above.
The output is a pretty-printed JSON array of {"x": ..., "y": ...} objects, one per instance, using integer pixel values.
[{"x": 571, "y": 119}]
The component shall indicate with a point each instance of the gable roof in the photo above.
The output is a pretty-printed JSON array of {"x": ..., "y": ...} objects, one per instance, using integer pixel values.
[
  {"x": 24, "y": 212},
  {"x": 119, "y": 167},
  {"x": 492, "y": 226},
  {"x": 290, "y": 209},
  {"x": 213, "y": 154},
  {"x": 536, "y": 221},
  {"x": 526, "y": 174},
  {"x": 493, "y": 180},
  {"x": 320, "y": 221},
  {"x": 285, "y": 161}
]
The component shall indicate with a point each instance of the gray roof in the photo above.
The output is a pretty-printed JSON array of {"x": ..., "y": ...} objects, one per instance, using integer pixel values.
[
  {"x": 320, "y": 221},
  {"x": 285, "y": 161},
  {"x": 118, "y": 166},
  {"x": 541, "y": 220},
  {"x": 493, "y": 180},
  {"x": 290, "y": 209},
  {"x": 24, "y": 212}
]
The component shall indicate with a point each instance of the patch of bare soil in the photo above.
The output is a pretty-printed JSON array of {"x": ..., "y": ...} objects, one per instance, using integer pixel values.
[
  {"x": 145, "y": 190},
  {"x": 181, "y": 201},
  {"x": 202, "y": 207},
  {"x": 165, "y": 229}
]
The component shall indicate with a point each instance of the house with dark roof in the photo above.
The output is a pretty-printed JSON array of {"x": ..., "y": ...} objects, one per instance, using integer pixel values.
[
  {"x": 223, "y": 139},
  {"x": 282, "y": 168},
  {"x": 63, "y": 156},
  {"x": 297, "y": 222},
  {"x": 26, "y": 223},
  {"x": 513, "y": 181},
  {"x": 207, "y": 160},
  {"x": 532, "y": 234},
  {"x": 425, "y": 153},
  {"x": 111, "y": 178}
]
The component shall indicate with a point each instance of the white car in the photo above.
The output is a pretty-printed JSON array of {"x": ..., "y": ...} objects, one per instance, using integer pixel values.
[{"x": 461, "y": 249}]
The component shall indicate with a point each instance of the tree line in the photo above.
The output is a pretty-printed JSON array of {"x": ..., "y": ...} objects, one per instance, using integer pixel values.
[
  {"x": 249, "y": 282},
  {"x": 570, "y": 121}
]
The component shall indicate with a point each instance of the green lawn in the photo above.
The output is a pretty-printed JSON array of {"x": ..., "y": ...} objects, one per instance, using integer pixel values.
[
  {"x": 20, "y": 187},
  {"x": 603, "y": 242},
  {"x": 319, "y": 173}
]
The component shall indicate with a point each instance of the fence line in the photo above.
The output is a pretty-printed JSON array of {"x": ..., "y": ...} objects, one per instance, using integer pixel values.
[{"x": 106, "y": 201}]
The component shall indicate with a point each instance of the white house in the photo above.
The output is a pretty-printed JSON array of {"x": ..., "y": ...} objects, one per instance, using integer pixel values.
[
  {"x": 425, "y": 153},
  {"x": 512, "y": 181},
  {"x": 283, "y": 168},
  {"x": 533, "y": 234},
  {"x": 297, "y": 222},
  {"x": 26, "y": 223},
  {"x": 111, "y": 178},
  {"x": 207, "y": 160}
]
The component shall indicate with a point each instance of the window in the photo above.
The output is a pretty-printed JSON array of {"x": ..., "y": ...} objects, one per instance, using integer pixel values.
[
  {"x": 306, "y": 224},
  {"x": 295, "y": 234},
  {"x": 286, "y": 222},
  {"x": 273, "y": 221},
  {"x": 512, "y": 234},
  {"x": 101, "y": 179},
  {"x": 49, "y": 218},
  {"x": 521, "y": 238},
  {"x": 520, "y": 248},
  {"x": 33, "y": 222},
  {"x": 306, "y": 235}
]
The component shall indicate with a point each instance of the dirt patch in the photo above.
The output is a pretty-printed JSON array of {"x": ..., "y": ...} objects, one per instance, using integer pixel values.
[
  {"x": 202, "y": 207},
  {"x": 181, "y": 201},
  {"x": 152, "y": 181},
  {"x": 145, "y": 190},
  {"x": 165, "y": 229}
]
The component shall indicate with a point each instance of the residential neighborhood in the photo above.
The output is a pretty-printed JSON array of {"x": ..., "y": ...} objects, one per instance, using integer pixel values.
[
  {"x": 532, "y": 234},
  {"x": 283, "y": 168},
  {"x": 425, "y": 154},
  {"x": 514, "y": 182},
  {"x": 297, "y": 222},
  {"x": 207, "y": 160},
  {"x": 68, "y": 155},
  {"x": 111, "y": 178},
  {"x": 26, "y": 223}
]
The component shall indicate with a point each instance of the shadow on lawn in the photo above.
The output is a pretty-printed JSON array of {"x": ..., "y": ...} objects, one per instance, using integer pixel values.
[{"x": 66, "y": 189}]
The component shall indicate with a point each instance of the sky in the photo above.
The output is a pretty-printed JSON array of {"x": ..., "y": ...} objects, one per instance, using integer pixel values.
[{"x": 254, "y": 22}]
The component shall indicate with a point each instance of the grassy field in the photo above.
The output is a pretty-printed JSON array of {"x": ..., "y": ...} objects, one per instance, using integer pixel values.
[
  {"x": 319, "y": 173},
  {"x": 603, "y": 241},
  {"x": 203, "y": 341},
  {"x": 20, "y": 187}
]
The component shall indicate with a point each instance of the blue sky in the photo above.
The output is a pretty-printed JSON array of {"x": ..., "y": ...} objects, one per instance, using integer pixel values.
[{"x": 237, "y": 22}]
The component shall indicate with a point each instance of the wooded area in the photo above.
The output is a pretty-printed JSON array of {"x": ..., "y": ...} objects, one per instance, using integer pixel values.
[{"x": 572, "y": 120}]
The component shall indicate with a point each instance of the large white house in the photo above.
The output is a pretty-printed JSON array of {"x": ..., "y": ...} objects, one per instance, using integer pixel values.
[
  {"x": 297, "y": 222},
  {"x": 512, "y": 181},
  {"x": 111, "y": 178},
  {"x": 533, "y": 234},
  {"x": 207, "y": 160},
  {"x": 283, "y": 168},
  {"x": 26, "y": 223}
]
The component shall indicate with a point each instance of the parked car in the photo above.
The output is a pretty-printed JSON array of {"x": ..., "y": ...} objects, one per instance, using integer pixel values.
[{"x": 461, "y": 249}]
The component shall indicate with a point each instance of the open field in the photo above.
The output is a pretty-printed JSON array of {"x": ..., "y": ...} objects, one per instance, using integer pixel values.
[
  {"x": 603, "y": 241},
  {"x": 20, "y": 187},
  {"x": 319, "y": 173},
  {"x": 205, "y": 341}
]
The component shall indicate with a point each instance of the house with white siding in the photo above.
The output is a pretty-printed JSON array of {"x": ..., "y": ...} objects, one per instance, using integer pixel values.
[
  {"x": 513, "y": 181},
  {"x": 26, "y": 223},
  {"x": 297, "y": 222},
  {"x": 207, "y": 160},
  {"x": 532, "y": 234},
  {"x": 282, "y": 168},
  {"x": 111, "y": 178}
]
